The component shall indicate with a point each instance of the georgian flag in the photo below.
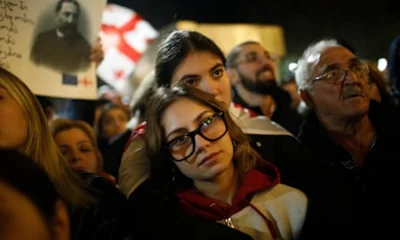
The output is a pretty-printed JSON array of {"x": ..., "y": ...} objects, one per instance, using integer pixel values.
[{"x": 125, "y": 35}]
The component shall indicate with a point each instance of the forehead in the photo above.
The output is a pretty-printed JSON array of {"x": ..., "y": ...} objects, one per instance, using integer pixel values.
[
  {"x": 115, "y": 112},
  {"x": 72, "y": 134},
  {"x": 196, "y": 63},
  {"x": 251, "y": 48},
  {"x": 331, "y": 56},
  {"x": 68, "y": 7},
  {"x": 182, "y": 111}
]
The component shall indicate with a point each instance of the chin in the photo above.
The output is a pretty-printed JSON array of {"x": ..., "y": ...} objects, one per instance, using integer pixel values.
[
  {"x": 358, "y": 111},
  {"x": 213, "y": 172}
]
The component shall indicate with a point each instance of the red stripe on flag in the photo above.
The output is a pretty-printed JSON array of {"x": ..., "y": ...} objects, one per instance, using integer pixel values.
[{"x": 124, "y": 46}]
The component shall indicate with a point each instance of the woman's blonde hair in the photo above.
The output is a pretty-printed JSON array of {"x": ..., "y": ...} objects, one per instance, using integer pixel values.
[
  {"x": 40, "y": 145},
  {"x": 245, "y": 158},
  {"x": 62, "y": 124}
]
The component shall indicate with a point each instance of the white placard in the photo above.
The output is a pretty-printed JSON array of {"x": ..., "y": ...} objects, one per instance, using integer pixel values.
[{"x": 48, "y": 47}]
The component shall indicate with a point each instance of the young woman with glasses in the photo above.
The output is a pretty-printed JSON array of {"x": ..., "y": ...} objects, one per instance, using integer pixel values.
[{"x": 198, "y": 153}]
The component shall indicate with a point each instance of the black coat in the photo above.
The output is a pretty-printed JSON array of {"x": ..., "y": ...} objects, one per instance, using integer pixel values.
[
  {"x": 103, "y": 219},
  {"x": 347, "y": 201}
]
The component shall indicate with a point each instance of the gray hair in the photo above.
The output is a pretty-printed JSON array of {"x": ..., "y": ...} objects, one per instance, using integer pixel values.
[{"x": 305, "y": 63}]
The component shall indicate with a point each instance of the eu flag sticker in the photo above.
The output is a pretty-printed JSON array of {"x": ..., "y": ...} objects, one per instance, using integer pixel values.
[{"x": 69, "y": 79}]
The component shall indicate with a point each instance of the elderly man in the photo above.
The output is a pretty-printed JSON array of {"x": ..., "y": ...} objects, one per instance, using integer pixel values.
[
  {"x": 252, "y": 73},
  {"x": 351, "y": 157},
  {"x": 63, "y": 49}
]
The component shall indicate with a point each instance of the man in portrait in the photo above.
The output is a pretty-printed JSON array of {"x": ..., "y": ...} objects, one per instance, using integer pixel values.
[{"x": 63, "y": 48}]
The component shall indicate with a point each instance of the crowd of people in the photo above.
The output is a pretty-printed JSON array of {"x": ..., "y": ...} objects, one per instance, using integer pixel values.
[{"x": 220, "y": 149}]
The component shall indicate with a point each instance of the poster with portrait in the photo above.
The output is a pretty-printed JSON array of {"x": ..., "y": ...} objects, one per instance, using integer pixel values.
[{"x": 47, "y": 44}]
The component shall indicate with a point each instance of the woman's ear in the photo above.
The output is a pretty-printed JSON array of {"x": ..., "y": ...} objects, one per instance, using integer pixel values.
[{"x": 61, "y": 226}]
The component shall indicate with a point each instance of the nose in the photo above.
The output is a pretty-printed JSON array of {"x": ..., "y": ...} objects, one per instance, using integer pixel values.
[
  {"x": 350, "y": 77},
  {"x": 209, "y": 85},
  {"x": 70, "y": 18},
  {"x": 74, "y": 157},
  {"x": 201, "y": 143}
]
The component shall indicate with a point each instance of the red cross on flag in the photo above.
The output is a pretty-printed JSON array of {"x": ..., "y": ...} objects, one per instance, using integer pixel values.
[{"x": 125, "y": 35}]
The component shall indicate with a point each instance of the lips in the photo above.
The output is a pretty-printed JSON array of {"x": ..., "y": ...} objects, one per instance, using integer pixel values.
[
  {"x": 208, "y": 158},
  {"x": 267, "y": 73},
  {"x": 351, "y": 91}
]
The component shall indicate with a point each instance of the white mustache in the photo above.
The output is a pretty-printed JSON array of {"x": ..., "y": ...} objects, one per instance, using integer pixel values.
[{"x": 349, "y": 91}]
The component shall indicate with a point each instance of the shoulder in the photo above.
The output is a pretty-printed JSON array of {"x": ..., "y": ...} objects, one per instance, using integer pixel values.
[
  {"x": 82, "y": 40},
  {"x": 104, "y": 217},
  {"x": 137, "y": 133},
  {"x": 283, "y": 194},
  {"x": 102, "y": 188},
  {"x": 46, "y": 35},
  {"x": 135, "y": 166},
  {"x": 251, "y": 123}
]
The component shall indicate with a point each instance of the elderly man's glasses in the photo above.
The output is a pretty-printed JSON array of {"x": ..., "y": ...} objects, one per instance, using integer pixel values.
[
  {"x": 338, "y": 75},
  {"x": 211, "y": 128}
]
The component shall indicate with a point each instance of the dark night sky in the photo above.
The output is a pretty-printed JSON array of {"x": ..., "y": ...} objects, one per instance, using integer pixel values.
[{"x": 369, "y": 26}]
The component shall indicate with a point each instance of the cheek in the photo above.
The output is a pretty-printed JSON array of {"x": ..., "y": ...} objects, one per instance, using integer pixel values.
[
  {"x": 187, "y": 169},
  {"x": 20, "y": 125},
  {"x": 92, "y": 162},
  {"x": 326, "y": 95},
  {"x": 228, "y": 146}
]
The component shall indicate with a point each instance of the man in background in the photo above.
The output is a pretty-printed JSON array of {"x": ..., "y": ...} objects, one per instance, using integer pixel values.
[{"x": 252, "y": 73}]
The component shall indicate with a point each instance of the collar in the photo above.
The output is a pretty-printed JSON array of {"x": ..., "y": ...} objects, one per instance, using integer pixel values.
[{"x": 59, "y": 33}]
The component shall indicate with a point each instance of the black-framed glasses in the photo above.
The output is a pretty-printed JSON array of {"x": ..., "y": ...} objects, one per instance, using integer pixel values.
[
  {"x": 211, "y": 128},
  {"x": 255, "y": 58},
  {"x": 338, "y": 75}
]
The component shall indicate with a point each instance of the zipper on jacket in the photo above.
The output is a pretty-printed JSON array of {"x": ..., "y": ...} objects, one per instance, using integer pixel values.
[{"x": 228, "y": 221}]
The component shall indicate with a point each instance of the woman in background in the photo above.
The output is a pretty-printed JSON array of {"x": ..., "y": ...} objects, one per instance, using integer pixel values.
[
  {"x": 77, "y": 143},
  {"x": 23, "y": 127}
]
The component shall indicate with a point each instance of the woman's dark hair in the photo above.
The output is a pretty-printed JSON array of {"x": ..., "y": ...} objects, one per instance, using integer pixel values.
[
  {"x": 24, "y": 175},
  {"x": 176, "y": 47}
]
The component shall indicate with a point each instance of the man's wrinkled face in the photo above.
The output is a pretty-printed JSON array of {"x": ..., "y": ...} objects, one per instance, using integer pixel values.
[
  {"x": 67, "y": 17},
  {"x": 339, "y": 83},
  {"x": 256, "y": 68}
]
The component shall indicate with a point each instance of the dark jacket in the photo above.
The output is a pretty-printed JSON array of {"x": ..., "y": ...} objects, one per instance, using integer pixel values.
[
  {"x": 347, "y": 201},
  {"x": 103, "y": 219},
  {"x": 112, "y": 152}
]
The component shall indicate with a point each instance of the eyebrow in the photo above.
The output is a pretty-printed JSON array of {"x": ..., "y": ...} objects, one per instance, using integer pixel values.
[
  {"x": 84, "y": 141},
  {"x": 218, "y": 65},
  {"x": 186, "y": 76},
  {"x": 251, "y": 53},
  {"x": 195, "y": 120}
]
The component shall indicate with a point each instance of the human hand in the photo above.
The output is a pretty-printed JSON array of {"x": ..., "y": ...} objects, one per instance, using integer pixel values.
[
  {"x": 97, "y": 52},
  {"x": 268, "y": 106}
]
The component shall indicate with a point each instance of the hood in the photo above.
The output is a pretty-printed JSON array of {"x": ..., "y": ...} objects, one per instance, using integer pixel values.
[{"x": 256, "y": 180}]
